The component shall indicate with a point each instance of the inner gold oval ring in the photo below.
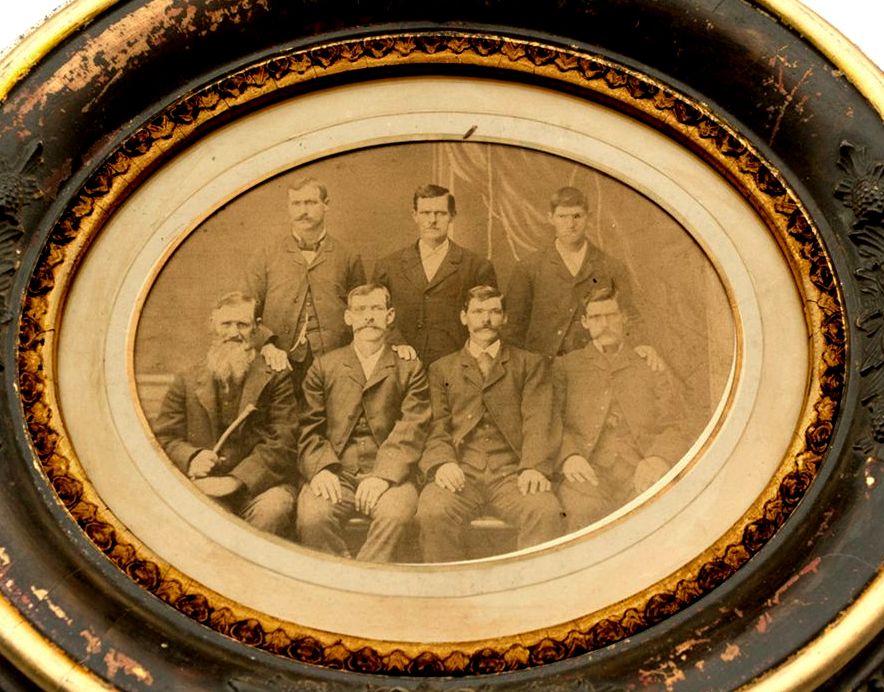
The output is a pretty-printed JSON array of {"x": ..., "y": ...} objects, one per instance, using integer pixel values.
[{"x": 592, "y": 78}]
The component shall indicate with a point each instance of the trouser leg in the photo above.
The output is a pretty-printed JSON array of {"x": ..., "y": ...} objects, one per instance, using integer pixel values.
[
  {"x": 442, "y": 517},
  {"x": 584, "y": 503},
  {"x": 390, "y": 517},
  {"x": 272, "y": 511},
  {"x": 537, "y": 517},
  {"x": 319, "y": 521}
]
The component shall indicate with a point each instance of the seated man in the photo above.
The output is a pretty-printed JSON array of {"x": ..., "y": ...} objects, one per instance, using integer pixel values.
[
  {"x": 230, "y": 423},
  {"x": 491, "y": 445},
  {"x": 623, "y": 420},
  {"x": 366, "y": 417}
]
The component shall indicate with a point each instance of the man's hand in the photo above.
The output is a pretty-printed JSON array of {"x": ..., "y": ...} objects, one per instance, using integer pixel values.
[
  {"x": 578, "y": 470},
  {"x": 647, "y": 472},
  {"x": 404, "y": 351},
  {"x": 651, "y": 357},
  {"x": 203, "y": 464},
  {"x": 368, "y": 492},
  {"x": 276, "y": 359},
  {"x": 531, "y": 481},
  {"x": 328, "y": 485},
  {"x": 219, "y": 486},
  {"x": 450, "y": 476}
]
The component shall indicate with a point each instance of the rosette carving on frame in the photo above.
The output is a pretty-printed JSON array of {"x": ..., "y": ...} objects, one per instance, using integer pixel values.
[
  {"x": 862, "y": 191},
  {"x": 18, "y": 187}
]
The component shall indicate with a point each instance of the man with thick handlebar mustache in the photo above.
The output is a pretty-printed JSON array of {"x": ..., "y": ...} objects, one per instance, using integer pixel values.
[
  {"x": 363, "y": 427},
  {"x": 300, "y": 281},
  {"x": 492, "y": 444}
]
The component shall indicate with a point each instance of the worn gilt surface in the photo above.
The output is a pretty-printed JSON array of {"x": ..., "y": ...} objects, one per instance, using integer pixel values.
[{"x": 683, "y": 119}]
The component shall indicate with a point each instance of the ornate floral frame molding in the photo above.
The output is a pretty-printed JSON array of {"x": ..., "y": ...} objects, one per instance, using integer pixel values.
[{"x": 592, "y": 77}]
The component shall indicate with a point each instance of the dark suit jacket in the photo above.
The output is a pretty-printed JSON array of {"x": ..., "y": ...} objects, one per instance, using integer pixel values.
[
  {"x": 263, "y": 450},
  {"x": 395, "y": 400},
  {"x": 587, "y": 383},
  {"x": 517, "y": 395},
  {"x": 428, "y": 313},
  {"x": 543, "y": 299},
  {"x": 278, "y": 276}
]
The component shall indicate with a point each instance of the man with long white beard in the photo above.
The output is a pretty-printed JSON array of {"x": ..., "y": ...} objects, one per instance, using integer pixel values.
[{"x": 230, "y": 423}]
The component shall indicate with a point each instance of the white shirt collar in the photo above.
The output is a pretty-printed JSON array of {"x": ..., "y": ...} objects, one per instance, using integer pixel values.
[
  {"x": 368, "y": 363},
  {"x": 609, "y": 354},
  {"x": 475, "y": 350},
  {"x": 318, "y": 240},
  {"x": 573, "y": 259},
  {"x": 432, "y": 257}
]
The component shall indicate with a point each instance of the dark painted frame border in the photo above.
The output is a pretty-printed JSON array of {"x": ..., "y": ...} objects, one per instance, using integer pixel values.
[{"x": 738, "y": 59}]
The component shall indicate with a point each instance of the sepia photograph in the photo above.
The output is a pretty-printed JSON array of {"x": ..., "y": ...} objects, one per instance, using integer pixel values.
[
  {"x": 361, "y": 345},
  {"x": 432, "y": 352}
]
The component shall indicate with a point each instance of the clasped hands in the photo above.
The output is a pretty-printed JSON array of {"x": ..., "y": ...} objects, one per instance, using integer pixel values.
[
  {"x": 326, "y": 484},
  {"x": 450, "y": 476}
]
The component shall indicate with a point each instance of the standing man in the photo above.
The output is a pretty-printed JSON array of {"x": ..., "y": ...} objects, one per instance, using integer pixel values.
[
  {"x": 428, "y": 280},
  {"x": 365, "y": 421},
  {"x": 547, "y": 287},
  {"x": 230, "y": 424},
  {"x": 491, "y": 445},
  {"x": 301, "y": 283},
  {"x": 623, "y": 422}
]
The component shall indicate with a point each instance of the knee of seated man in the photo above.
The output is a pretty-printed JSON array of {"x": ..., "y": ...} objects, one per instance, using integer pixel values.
[
  {"x": 540, "y": 504},
  {"x": 313, "y": 509},
  {"x": 399, "y": 506},
  {"x": 277, "y": 503}
]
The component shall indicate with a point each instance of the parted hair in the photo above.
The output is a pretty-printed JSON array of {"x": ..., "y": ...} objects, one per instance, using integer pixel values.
[
  {"x": 431, "y": 191},
  {"x": 235, "y": 298},
  {"x": 567, "y": 197},
  {"x": 308, "y": 181},
  {"x": 483, "y": 293},
  {"x": 368, "y": 289},
  {"x": 600, "y": 293}
]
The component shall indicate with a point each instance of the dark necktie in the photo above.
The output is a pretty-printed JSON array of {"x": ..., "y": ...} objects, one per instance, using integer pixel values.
[{"x": 306, "y": 246}]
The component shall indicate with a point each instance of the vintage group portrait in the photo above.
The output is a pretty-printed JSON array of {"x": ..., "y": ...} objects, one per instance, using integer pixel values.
[{"x": 433, "y": 352}]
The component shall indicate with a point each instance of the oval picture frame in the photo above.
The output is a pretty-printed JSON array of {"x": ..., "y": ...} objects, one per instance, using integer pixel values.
[{"x": 769, "y": 600}]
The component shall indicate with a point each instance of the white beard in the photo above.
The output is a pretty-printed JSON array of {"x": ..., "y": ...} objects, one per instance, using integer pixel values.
[{"x": 229, "y": 361}]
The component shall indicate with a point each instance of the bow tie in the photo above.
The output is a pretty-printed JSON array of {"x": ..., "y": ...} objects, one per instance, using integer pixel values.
[{"x": 306, "y": 246}]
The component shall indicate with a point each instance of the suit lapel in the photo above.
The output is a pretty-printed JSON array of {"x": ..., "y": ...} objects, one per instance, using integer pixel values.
[
  {"x": 470, "y": 368},
  {"x": 325, "y": 249},
  {"x": 498, "y": 367},
  {"x": 354, "y": 367},
  {"x": 291, "y": 247},
  {"x": 256, "y": 379},
  {"x": 385, "y": 366},
  {"x": 450, "y": 264},
  {"x": 412, "y": 268},
  {"x": 558, "y": 265},
  {"x": 589, "y": 263},
  {"x": 207, "y": 395}
]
